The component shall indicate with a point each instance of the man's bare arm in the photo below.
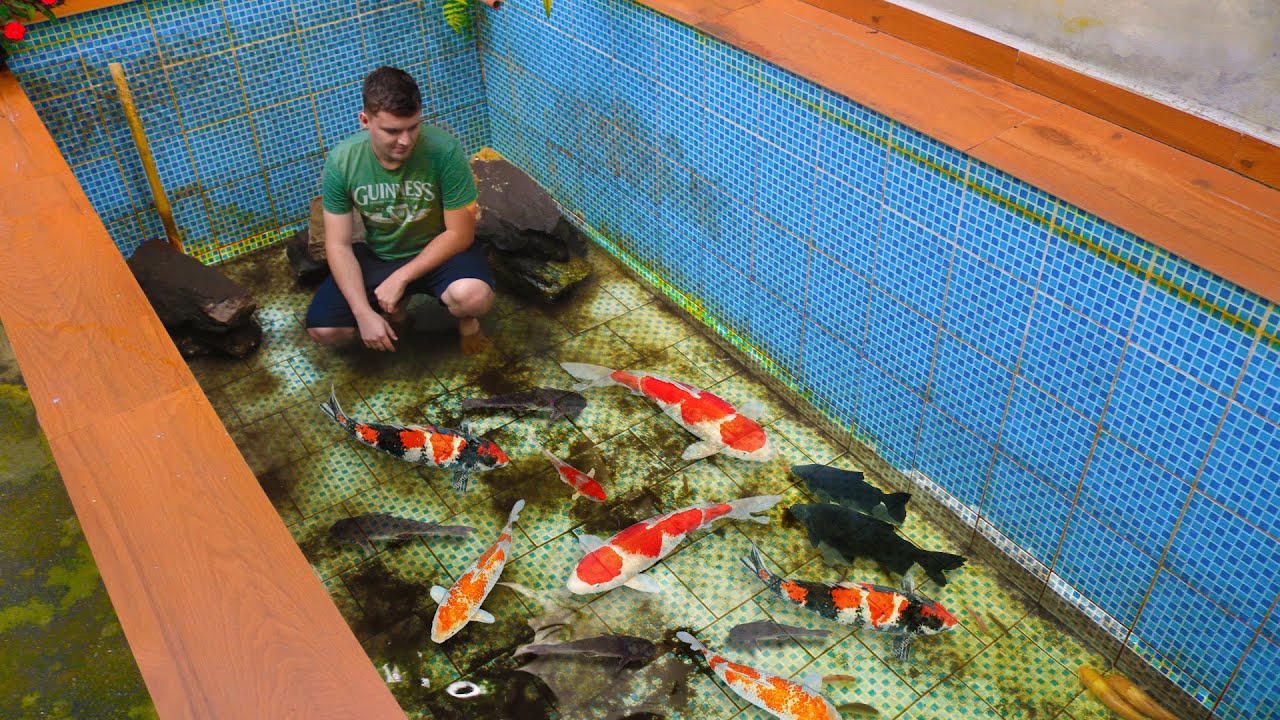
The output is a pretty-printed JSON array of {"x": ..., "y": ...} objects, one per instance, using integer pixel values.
[
  {"x": 374, "y": 329},
  {"x": 459, "y": 233}
]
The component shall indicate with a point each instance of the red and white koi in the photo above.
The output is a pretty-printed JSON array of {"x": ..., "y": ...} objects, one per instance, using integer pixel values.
[
  {"x": 460, "y": 604},
  {"x": 430, "y": 445},
  {"x": 901, "y": 613},
  {"x": 721, "y": 427},
  {"x": 776, "y": 695},
  {"x": 623, "y": 558},
  {"x": 584, "y": 483}
]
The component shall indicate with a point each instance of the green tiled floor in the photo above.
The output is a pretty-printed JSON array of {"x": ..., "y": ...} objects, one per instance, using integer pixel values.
[{"x": 1005, "y": 661}]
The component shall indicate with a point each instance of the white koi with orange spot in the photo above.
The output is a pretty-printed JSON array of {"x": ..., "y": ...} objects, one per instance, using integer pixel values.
[
  {"x": 623, "y": 558},
  {"x": 722, "y": 428},
  {"x": 776, "y": 695},
  {"x": 460, "y": 604}
]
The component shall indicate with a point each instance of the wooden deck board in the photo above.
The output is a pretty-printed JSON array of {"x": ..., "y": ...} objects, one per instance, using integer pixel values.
[{"x": 222, "y": 612}]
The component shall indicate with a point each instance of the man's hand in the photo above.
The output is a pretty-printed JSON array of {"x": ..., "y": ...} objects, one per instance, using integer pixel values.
[
  {"x": 376, "y": 332},
  {"x": 389, "y": 293}
]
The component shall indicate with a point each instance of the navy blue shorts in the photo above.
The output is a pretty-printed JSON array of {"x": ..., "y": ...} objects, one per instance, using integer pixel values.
[{"x": 330, "y": 309}]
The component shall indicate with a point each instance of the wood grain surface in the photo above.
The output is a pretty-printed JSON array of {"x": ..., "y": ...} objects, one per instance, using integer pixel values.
[{"x": 222, "y": 612}]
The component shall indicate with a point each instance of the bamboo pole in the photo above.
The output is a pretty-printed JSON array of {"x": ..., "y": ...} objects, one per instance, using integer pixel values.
[{"x": 144, "y": 152}]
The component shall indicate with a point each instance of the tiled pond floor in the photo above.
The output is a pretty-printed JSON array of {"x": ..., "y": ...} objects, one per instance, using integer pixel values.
[
  {"x": 62, "y": 652},
  {"x": 1006, "y": 661}
]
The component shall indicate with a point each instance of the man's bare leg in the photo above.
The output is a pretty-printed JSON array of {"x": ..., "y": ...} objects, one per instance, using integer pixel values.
[
  {"x": 333, "y": 335},
  {"x": 468, "y": 300}
]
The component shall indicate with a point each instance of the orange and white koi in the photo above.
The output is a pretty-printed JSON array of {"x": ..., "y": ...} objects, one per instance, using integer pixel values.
[
  {"x": 623, "y": 558},
  {"x": 901, "y": 613},
  {"x": 460, "y": 604},
  {"x": 430, "y": 445},
  {"x": 584, "y": 483},
  {"x": 721, "y": 427},
  {"x": 776, "y": 695}
]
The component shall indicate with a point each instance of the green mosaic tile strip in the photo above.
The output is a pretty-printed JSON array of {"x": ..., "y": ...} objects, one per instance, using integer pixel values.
[
  {"x": 650, "y": 328},
  {"x": 951, "y": 700},
  {"x": 592, "y": 306},
  {"x": 807, "y": 438},
  {"x": 328, "y": 477},
  {"x": 1019, "y": 679},
  {"x": 283, "y": 337},
  {"x": 266, "y": 391},
  {"x": 708, "y": 358},
  {"x": 599, "y": 345},
  {"x": 624, "y": 289}
]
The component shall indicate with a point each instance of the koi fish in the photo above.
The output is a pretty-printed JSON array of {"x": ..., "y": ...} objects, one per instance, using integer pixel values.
[
  {"x": 844, "y": 535},
  {"x": 364, "y": 529},
  {"x": 775, "y": 695},
  {"x": 456, "y": 450},
  {"x": 901, "y": 613},
  {"x": 721, "y": 427},
  {"x": 460, "y": 604},
  {"x": 623, "y": 558},
  {"x": 584, "y": 483},
  {"x": 626, "y": 649},
  {"x": 848, "y": 488}
]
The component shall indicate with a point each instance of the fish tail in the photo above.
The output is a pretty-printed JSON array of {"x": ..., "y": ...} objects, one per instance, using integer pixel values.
[
  {"x": 896, "y": 505},
  {"x": 691, "y": 641},
  {"x": 935, "y": 563},
  {"x": 755, "y": 563},
  {"x": 590, "y": 375},
  {"x": 533, "y": 440},
  {"x": 333, "y": 409},
  {"x": 743, "y": 508},
  {"x": 515, "y": 511}
]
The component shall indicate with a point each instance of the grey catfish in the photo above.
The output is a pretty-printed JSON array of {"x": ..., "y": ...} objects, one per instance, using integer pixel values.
[
  {"x": 627, "y": 648},
  {"x": 848, "y": 488},
  {"x": 753, "y": 633},
  {"x": 362, "y": 529},
  {"x": 561, "y": 403},
  {"x": 837, "y": 530}
]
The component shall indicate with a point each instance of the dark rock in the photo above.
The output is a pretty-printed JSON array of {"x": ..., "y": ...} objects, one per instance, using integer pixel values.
[
  {"x": 518, "y": 217},
  {"x": 529, "y": 244},
  {"x": 204, "y": 311},
  {"x": 543, "y": 281},
  {"x": 305, "y": 270}
]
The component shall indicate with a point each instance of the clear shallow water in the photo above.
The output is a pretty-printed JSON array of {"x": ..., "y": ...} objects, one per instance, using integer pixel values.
[
  {"x": 62, "y": 652},
  {"x": 1007, "y": 660}
]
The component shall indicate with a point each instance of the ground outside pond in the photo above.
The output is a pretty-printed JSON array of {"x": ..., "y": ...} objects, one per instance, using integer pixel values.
[{"x": 1008, "y": 659}]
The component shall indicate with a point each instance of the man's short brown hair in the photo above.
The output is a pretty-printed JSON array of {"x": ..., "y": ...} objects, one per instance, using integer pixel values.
[{"x": 392, "y": 90}]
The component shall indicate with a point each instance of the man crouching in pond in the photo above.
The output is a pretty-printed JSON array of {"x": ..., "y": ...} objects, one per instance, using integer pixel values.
[{"x": 414, "y": 190}]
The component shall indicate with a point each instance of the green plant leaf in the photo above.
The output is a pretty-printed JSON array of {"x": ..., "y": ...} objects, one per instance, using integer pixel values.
[
  {"x": 546, "y": 4},
  {"x": 22, "y": 11},
  {"x": 458, "y": 14},
  {"x": 4, "y": 13},
  {"x": 46, "y": 12}
]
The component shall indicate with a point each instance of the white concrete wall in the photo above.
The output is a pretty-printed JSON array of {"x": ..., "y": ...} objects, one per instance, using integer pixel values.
[{"x": 1219, "y": 59}]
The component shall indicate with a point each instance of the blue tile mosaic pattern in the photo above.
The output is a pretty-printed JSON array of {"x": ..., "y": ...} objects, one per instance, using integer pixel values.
[
  {"x": 899, "y": 303},
  {"x": 237, "y": 98}
]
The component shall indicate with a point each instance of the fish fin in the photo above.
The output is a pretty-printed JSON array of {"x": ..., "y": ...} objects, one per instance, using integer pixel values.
[
  {"x": 813, "y": 681},
  {"x": 831, "y": 556},
  {"x": 753, "y": 410},
  {"x": 515, "y": 511},
  {"x": 902, "y": 648},
  {"x": 895, "y": 505},
  {"x": 591, "y": 473},
  {"x": 367, "y": 545},
  {"x": 909, "y": 580},
  {"x": 702, "y": 449},
  {"x": 465, "y": 426},
  {"x": 644, "y": 584},
  {"x": 755, "y": 563},
  {"x": 591, "y": 375},
  {"x": 935, "y": 563},
  {"x": 438, "y": 594},
  {"x": 461, "y": 480},
  {"x": 590, "y": 543},
  {"x": 555, "y": 415},
  {"x": 691, "y": 641},
  {"x": 743, "y": 509},
  {"x": 484, "y": 616},
  {"x": 333, "y": 409}
]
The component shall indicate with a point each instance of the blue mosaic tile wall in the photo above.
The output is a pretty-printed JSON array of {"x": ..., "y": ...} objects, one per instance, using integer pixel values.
[
  {"x": 1107, "y": 408},
  {"x": 240, "y": 100}
]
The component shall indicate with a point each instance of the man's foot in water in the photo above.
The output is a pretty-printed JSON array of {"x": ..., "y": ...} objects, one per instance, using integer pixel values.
[{"x": 474, "y": 341}]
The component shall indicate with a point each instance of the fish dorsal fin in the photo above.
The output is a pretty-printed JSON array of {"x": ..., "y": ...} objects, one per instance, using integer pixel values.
[
  {"x": 465, "y": 427},
  {"x": 590, "y": 543},
  {"x": 591, "y": 473},
  {"x": 483, "y": 616},
  {"x": 438, "y": 594},
  {"x": 909, "y": 580},
  {"x": 644, "y": 584},
  {"x": 699, "y": 450},
  {"x": 753, "y": 410},
  {"x": 812, "y": 681}
]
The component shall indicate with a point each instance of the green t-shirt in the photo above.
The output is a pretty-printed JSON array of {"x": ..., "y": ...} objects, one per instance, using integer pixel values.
[{"x": 402, "y": 209}]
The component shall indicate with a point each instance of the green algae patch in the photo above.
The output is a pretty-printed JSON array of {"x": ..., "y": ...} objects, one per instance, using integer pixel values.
[
  {"x": 33, "y": 612},
  {"x": 22, "y": 445}
]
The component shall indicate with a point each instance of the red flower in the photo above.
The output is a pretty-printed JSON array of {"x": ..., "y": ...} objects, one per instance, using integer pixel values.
[
  {"x": 13, "y": 30},
  {"x": 49, "y": 3}
]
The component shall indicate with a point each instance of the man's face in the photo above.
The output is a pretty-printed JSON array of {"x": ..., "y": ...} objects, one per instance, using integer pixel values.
[{"x": 392, "y": 136}]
